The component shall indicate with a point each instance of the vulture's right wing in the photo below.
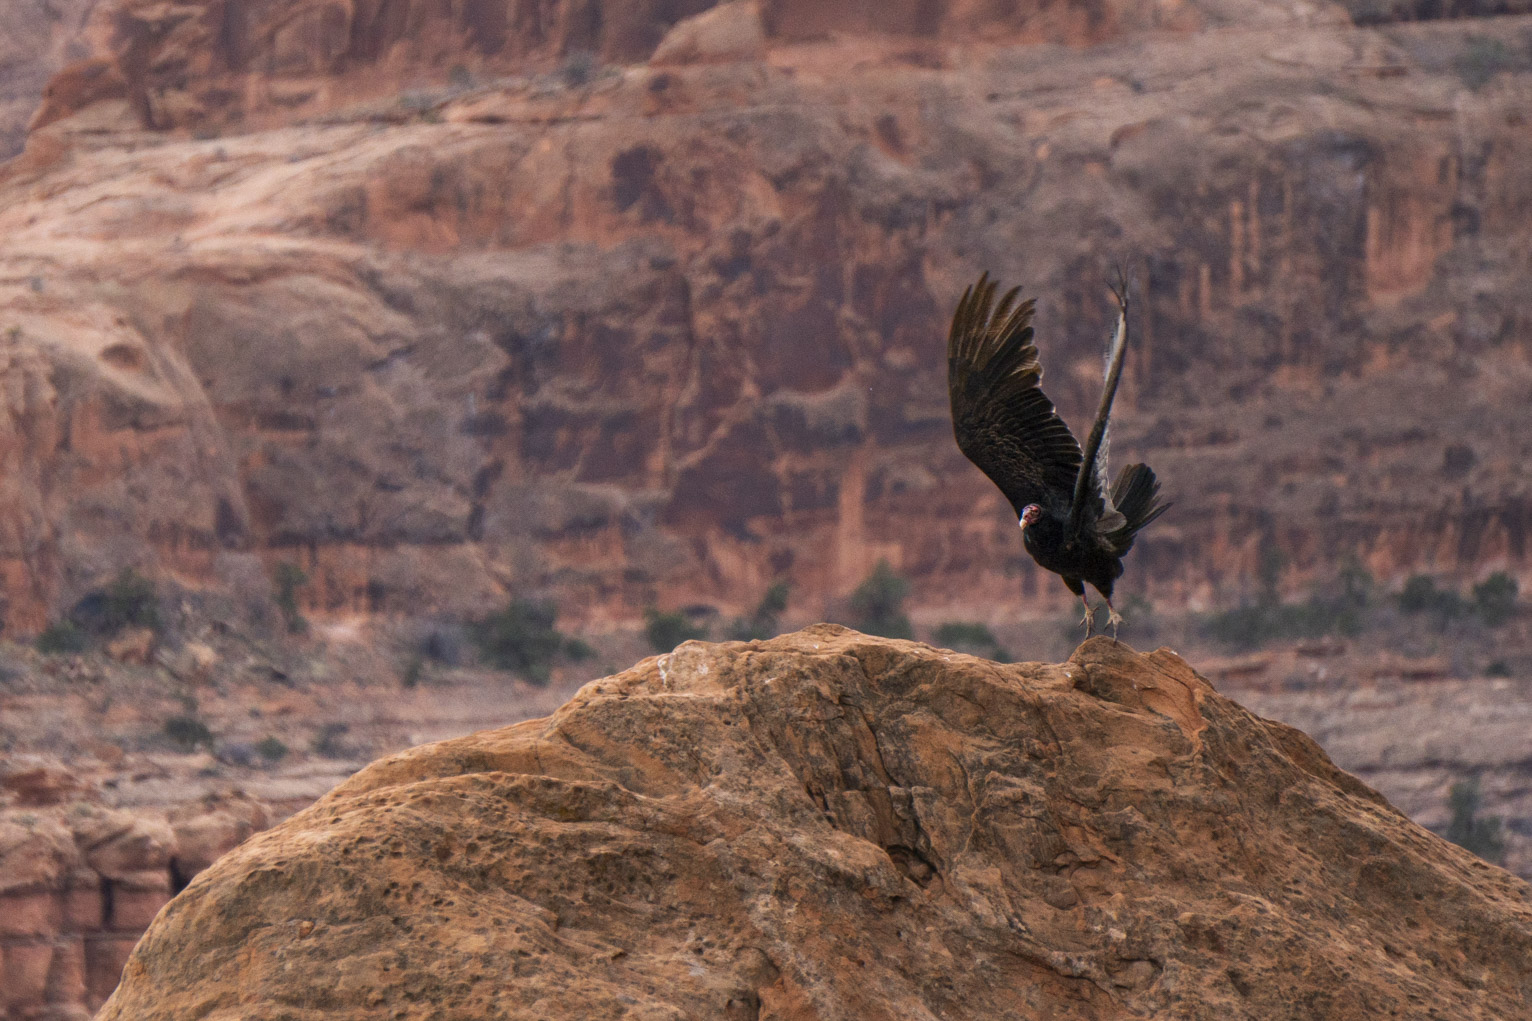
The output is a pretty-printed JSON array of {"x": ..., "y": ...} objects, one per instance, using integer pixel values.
[
  {"x": 1092, "y": 495},
  {"x": 1003, "y": 421}
]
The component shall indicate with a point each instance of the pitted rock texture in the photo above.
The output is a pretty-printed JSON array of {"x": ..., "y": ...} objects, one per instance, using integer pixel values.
[{"x": 832, "y": 826}]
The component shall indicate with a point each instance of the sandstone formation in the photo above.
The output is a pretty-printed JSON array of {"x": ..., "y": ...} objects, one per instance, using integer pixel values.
[
  {"x": 833, "y": 826},
  {"x": 623, "y": 334},
  {"x": 79, "y": 883}
]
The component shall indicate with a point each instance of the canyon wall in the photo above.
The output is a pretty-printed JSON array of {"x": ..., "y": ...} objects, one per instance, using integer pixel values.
[{"x": 623, "y": 332}]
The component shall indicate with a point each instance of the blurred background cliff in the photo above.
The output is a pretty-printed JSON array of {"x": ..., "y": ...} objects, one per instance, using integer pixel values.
[{"x": 374, "y": 370}]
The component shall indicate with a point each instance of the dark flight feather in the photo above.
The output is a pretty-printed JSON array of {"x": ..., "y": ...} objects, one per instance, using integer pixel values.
[{"x": 1003, "y": 421}]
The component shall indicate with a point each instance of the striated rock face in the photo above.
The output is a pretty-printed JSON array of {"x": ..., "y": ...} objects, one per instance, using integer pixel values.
[
  {"x": 79, "y": 883},
  {"x": 833, "y": 826},
  {"x": 634, "y": 334}
]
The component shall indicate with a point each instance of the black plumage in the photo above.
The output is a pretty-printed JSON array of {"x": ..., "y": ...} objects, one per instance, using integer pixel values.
[{"x": 1073, "y": 523}]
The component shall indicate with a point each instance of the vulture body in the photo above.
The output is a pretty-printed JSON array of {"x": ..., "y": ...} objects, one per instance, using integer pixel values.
[{"x": 1073, "y": 523}]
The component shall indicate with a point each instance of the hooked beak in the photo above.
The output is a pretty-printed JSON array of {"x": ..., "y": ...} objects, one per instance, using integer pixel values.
[{"x": 1023, "y": 523}]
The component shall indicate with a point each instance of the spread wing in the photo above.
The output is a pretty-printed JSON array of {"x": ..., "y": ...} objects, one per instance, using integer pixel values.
[
  {"x": 1003, "y": 421},
  {"x": 1092, "y": 500}
]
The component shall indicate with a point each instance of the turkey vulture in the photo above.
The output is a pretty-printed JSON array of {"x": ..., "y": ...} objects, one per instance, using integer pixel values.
[{"x": 1072, "y": 523}]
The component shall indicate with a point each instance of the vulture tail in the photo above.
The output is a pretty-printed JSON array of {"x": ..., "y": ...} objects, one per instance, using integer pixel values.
[{"x": 1136, "y": 495}]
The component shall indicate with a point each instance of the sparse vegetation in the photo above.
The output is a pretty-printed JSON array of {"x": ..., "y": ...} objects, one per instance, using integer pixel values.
[
  {"x": 578, "y": 650},
  {"x": 1484, "y": 57},
  {"x": 579, "y": 67},
  {"x": 520, "y": 638},
  {"x": 1336, "y": 609},
  {"x": 327, "y": 742},
  {"x": 666, "y": 630},
  {"x": 764, "y": 620},
  {"x": 413, "y": 671},
  {"x": 877, "y": 605},
  {"x": 61, "y": 638},
  {"x": 272, "y": 749},
  {"x": 1494, "y": 599},
  {"x": 188, "y": 733},
  {"x": 289, "y": 579},
  {"x": 1420, "y": 595},
  {"x": 131, "y": 602},
  {"x": 972, "y": 637},
  {"x": 1469, "y": 830}
]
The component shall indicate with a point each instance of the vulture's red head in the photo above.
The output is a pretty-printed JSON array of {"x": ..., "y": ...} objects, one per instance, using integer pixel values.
[{"x": 1029, "y": 514}]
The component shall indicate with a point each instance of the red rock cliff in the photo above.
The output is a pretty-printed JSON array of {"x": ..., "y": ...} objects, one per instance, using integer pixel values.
[{"x": 629, "y": 334}]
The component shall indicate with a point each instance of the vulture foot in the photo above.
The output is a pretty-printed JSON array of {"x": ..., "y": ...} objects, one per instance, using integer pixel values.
[
  {"x": 1113, "y": 619},
  {"x": 1089, "y": 620}
]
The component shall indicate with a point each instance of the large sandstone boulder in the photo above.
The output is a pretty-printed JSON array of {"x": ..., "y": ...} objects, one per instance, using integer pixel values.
[{"x": 833, "y": 826}]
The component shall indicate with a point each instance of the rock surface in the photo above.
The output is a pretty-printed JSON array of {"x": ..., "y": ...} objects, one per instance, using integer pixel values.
[
  {"x": 80, "y": 881},
  {"x": 834, "y": 826},
  {"x": 625, "y": 334}
]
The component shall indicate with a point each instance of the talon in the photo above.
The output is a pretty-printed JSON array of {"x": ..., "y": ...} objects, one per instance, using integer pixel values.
[
  {"x": 1089, "y": 620},
  {"x": 1113, "y": 618}
]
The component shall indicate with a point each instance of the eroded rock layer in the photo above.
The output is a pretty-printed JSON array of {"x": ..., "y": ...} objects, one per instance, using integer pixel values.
[
  {"x": 833, "y": 826},
  {"x": 625, "y": 334}
]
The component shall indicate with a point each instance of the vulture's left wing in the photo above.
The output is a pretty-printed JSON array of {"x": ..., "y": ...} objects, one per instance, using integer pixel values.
[{"x": 1003, "y": 421}]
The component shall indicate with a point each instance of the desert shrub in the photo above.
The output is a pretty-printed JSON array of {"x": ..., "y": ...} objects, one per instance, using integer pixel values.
[
  {"x": 1483, "y": 58},
  {"x": 412, "y": 673},
  {"x": 131, "y": 602},
  {"x": 665, "y": 630},
  {"x": 289, "y": 579},
  {"x": 520, "y": 638},
  {"x": 62, "y": 637},
  {"x": 578, "y": 650},
  {"x": 877, "y": 605},
  {"x": 1497, "y": 668},
  {"x": 271, "y": 749},
  {"x": 1336, "y": 609},
  {"x": 1421, "y": 596},
  {"x": 1469, "y": 830},
  {"x": 327, "y": 742},
  {"x": 764, "y": 620},
  {"x": 187, "y": 732},
  {"x": 1494, "y": 598},
  {"x": 974, "y": 637},
  {"x": 579, "y": 68}
]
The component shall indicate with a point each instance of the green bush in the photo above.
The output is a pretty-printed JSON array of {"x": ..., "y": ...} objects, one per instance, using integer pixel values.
[
  {"x": 1468, "y": 829},
  {"x": 877, "y": 605},
  {"x": 289, "y": 579},
  {"x": 973, "y": 637},
  {"x": 1483, "y": 58},
  {"x": 520, "y": 638},
  {"x": 578, "y": 650},
  {"x": 271, "y": 749},
  {"x": 188, "y": 733},
  {"x": 1420, "y": 595},
  {"x": 666, "y": 630},
  {"x": 1338, "y": 610},
  {"x": 1494, "y": 598},
  {"x": 764, "y": 620},
  {"x": 413, "y": 671},
  {"x": 131, "y": 602},
  {"x": 62, "y": 637}
]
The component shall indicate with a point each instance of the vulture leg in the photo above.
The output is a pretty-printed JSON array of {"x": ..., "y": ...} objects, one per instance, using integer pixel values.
[
  {"x": 1113, "y": 618},
  {"x": 1089, "y": 620}
]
